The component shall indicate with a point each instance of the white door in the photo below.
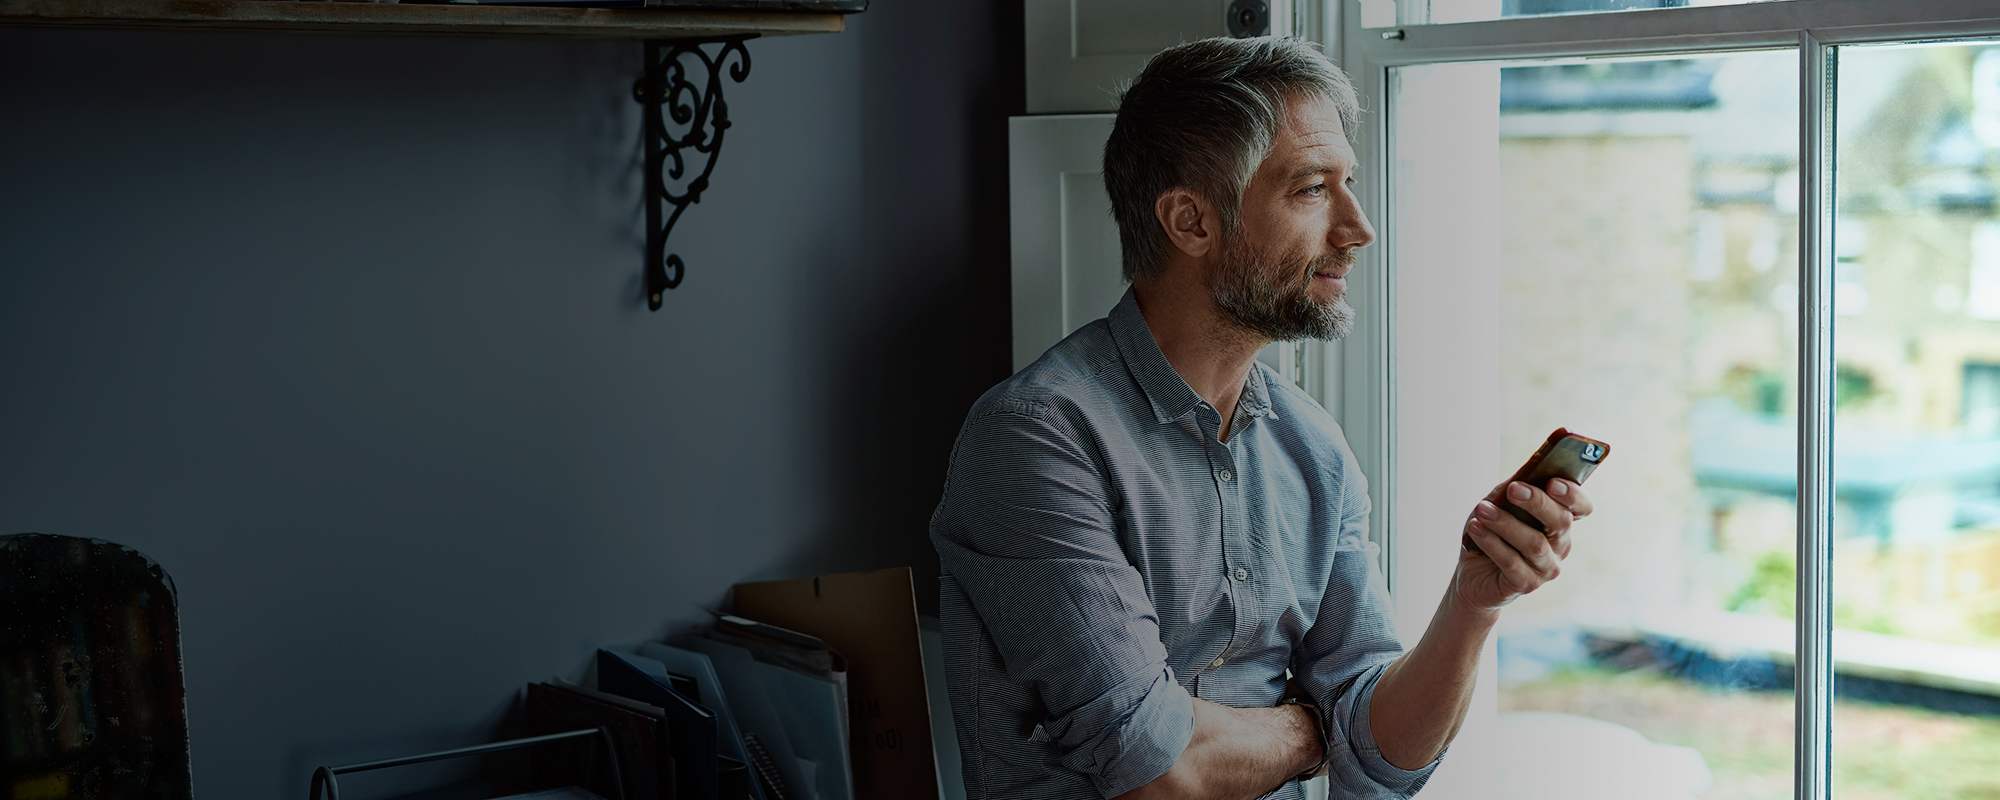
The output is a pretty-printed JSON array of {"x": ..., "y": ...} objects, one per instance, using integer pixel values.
[
  {"x": 1065, "y": 244},
  {"x": 1080, "y": 51}
]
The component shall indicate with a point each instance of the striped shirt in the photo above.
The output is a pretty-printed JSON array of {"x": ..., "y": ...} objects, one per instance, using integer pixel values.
[{"x": 1106, "y": 559}]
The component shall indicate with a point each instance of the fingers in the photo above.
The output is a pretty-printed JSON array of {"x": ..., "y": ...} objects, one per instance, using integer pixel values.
[
  {"x": 1569, "y": 494},
  {"x": 1530, "y": 546},
  {"x": 1554, "y": 516},
  {"x": 1560, "y": 544},
  {"x": 1514, "y": 569}
]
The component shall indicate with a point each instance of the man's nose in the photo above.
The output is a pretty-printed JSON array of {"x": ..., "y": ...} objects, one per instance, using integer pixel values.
[{"x": 1351, "y": 228}]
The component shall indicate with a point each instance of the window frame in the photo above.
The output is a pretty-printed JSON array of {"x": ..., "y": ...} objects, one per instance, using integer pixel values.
[{"x": 1353, "y": 379}]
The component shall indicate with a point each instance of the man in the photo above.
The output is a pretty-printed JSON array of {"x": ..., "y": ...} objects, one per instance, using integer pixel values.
[{"x": 1157, "y": 581}]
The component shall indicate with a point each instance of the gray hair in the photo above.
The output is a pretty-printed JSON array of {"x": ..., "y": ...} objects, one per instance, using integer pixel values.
[{"x": 1201, "y": 116}]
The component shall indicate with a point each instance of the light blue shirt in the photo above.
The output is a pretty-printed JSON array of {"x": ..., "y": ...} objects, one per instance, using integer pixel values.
[{"x": 1105, "y": 559}]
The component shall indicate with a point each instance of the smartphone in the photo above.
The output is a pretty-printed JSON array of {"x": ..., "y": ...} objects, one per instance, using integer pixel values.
[{"x": 1562, "y": 455}]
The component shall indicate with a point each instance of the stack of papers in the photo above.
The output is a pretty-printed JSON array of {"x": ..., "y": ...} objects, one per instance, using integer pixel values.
[{"x": 789, "y": 690}]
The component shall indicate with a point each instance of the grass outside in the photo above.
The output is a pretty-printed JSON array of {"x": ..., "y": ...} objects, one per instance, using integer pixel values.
[{"x": 1880, "y": 751}]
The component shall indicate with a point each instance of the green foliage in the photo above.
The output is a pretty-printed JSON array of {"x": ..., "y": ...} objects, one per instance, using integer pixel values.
[
  {"x": 1880, "y": 751},
  {"x": 1846, "y": 616},
  {"x": 1763, "y": 391},
  {"x": 1771, "y": 588},
  {"x": 1986, "y": 622},
  {"x": 1853, "y": 387},
  {"x": 1769, "y": 391}
]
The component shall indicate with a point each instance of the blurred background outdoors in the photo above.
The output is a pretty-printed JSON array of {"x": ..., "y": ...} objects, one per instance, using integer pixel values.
[{"x": 1643, "y": 265}]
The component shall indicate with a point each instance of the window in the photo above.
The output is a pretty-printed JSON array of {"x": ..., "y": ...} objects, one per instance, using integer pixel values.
[
  {"x": 1650, "y": 228},
  {"x": 1382, "y": 13},
  {"x": 1979, "y": 412},
  {"x": 1916, "y": 568},
  {"x": 1584, "y": 302}
]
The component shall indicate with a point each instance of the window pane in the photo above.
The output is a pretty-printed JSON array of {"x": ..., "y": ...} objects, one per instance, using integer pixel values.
[
  {"x": 1916, "y": 461},
  {"x": 1608, "y": 247},
  {"x": 1390, "y": 13}
]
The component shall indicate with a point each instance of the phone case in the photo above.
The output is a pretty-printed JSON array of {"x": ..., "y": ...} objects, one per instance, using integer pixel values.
[{"x": 1562, "y": 455}]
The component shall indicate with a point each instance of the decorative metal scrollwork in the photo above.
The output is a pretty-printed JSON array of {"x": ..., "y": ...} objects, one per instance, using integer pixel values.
[{"x": 699, "y": 117}]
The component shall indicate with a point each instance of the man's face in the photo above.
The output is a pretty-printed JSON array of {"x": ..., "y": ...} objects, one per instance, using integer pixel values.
[{"x": 1281, "y": 275}]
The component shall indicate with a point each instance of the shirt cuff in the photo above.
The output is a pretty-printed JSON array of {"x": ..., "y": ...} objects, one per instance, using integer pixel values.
[
  {"x": 1404, "y": 782},
  {"x": 1146, "y": 744}
]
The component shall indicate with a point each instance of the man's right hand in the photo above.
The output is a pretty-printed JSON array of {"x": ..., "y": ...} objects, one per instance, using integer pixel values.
[{"x": 1239, "y": 752}]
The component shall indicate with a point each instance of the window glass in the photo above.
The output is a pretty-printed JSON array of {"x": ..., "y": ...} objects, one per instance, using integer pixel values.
[
  {"x": 1610, "y": 247},
  {"x": 1916, "y": 459},
  {"x": 1390, "y": 13}
]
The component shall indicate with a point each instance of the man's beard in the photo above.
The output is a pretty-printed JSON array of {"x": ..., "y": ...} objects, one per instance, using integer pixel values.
[{"x": 1272, "y": 297}]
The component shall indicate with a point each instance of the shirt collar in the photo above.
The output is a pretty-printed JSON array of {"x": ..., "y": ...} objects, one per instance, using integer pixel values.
[
  {"x": 1256, "y": 394},
  {"x": 1169, "y": 394}
]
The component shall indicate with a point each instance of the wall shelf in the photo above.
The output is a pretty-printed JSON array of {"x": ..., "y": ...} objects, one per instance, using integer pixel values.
[
  {"x": 680, "y": 85},
  {"x": 427, "y": 19}
]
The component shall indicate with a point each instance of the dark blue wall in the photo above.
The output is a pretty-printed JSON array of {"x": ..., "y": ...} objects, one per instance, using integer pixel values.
[{"x": 344, "y": 332}]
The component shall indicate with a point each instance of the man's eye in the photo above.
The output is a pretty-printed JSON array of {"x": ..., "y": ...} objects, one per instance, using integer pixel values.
[{"x": 1313, "y": 190}]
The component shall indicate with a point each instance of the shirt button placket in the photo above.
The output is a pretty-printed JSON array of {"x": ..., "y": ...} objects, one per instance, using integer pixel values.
[{"x": 1235, "y": 546}]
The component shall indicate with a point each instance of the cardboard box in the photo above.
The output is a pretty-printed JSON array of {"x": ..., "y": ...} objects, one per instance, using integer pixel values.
[{"x": 871, "y": 619}]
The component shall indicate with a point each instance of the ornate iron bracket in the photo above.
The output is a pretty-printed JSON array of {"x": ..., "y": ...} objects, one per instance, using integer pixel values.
[{"x": 699, "y": 117}]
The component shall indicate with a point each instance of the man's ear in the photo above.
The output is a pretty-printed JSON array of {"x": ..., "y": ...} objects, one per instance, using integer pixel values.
[{"x": 1190, "y": 224}]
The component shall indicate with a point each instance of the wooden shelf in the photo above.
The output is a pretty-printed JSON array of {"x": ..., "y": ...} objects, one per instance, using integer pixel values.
[{"x": 465, "y": 19}]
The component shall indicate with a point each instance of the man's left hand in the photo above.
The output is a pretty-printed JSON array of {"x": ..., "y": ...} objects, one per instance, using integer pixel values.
[{"x": 1513, "y": 558}]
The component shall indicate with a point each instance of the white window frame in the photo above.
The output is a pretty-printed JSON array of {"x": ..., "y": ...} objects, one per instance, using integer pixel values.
[{"x": 1353, "y": 378}]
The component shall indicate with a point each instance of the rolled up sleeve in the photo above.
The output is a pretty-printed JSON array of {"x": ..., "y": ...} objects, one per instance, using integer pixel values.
[
  {"x": 1350, "y": 644},
  {"x": 1025, "y": 529}
]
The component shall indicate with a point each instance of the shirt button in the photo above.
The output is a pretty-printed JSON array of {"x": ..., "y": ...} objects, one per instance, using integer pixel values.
[
  {"x": 1216, "y": 664},
  {"x": 1226, "y": 476},
  {"x": 1240, "y": 574}
]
